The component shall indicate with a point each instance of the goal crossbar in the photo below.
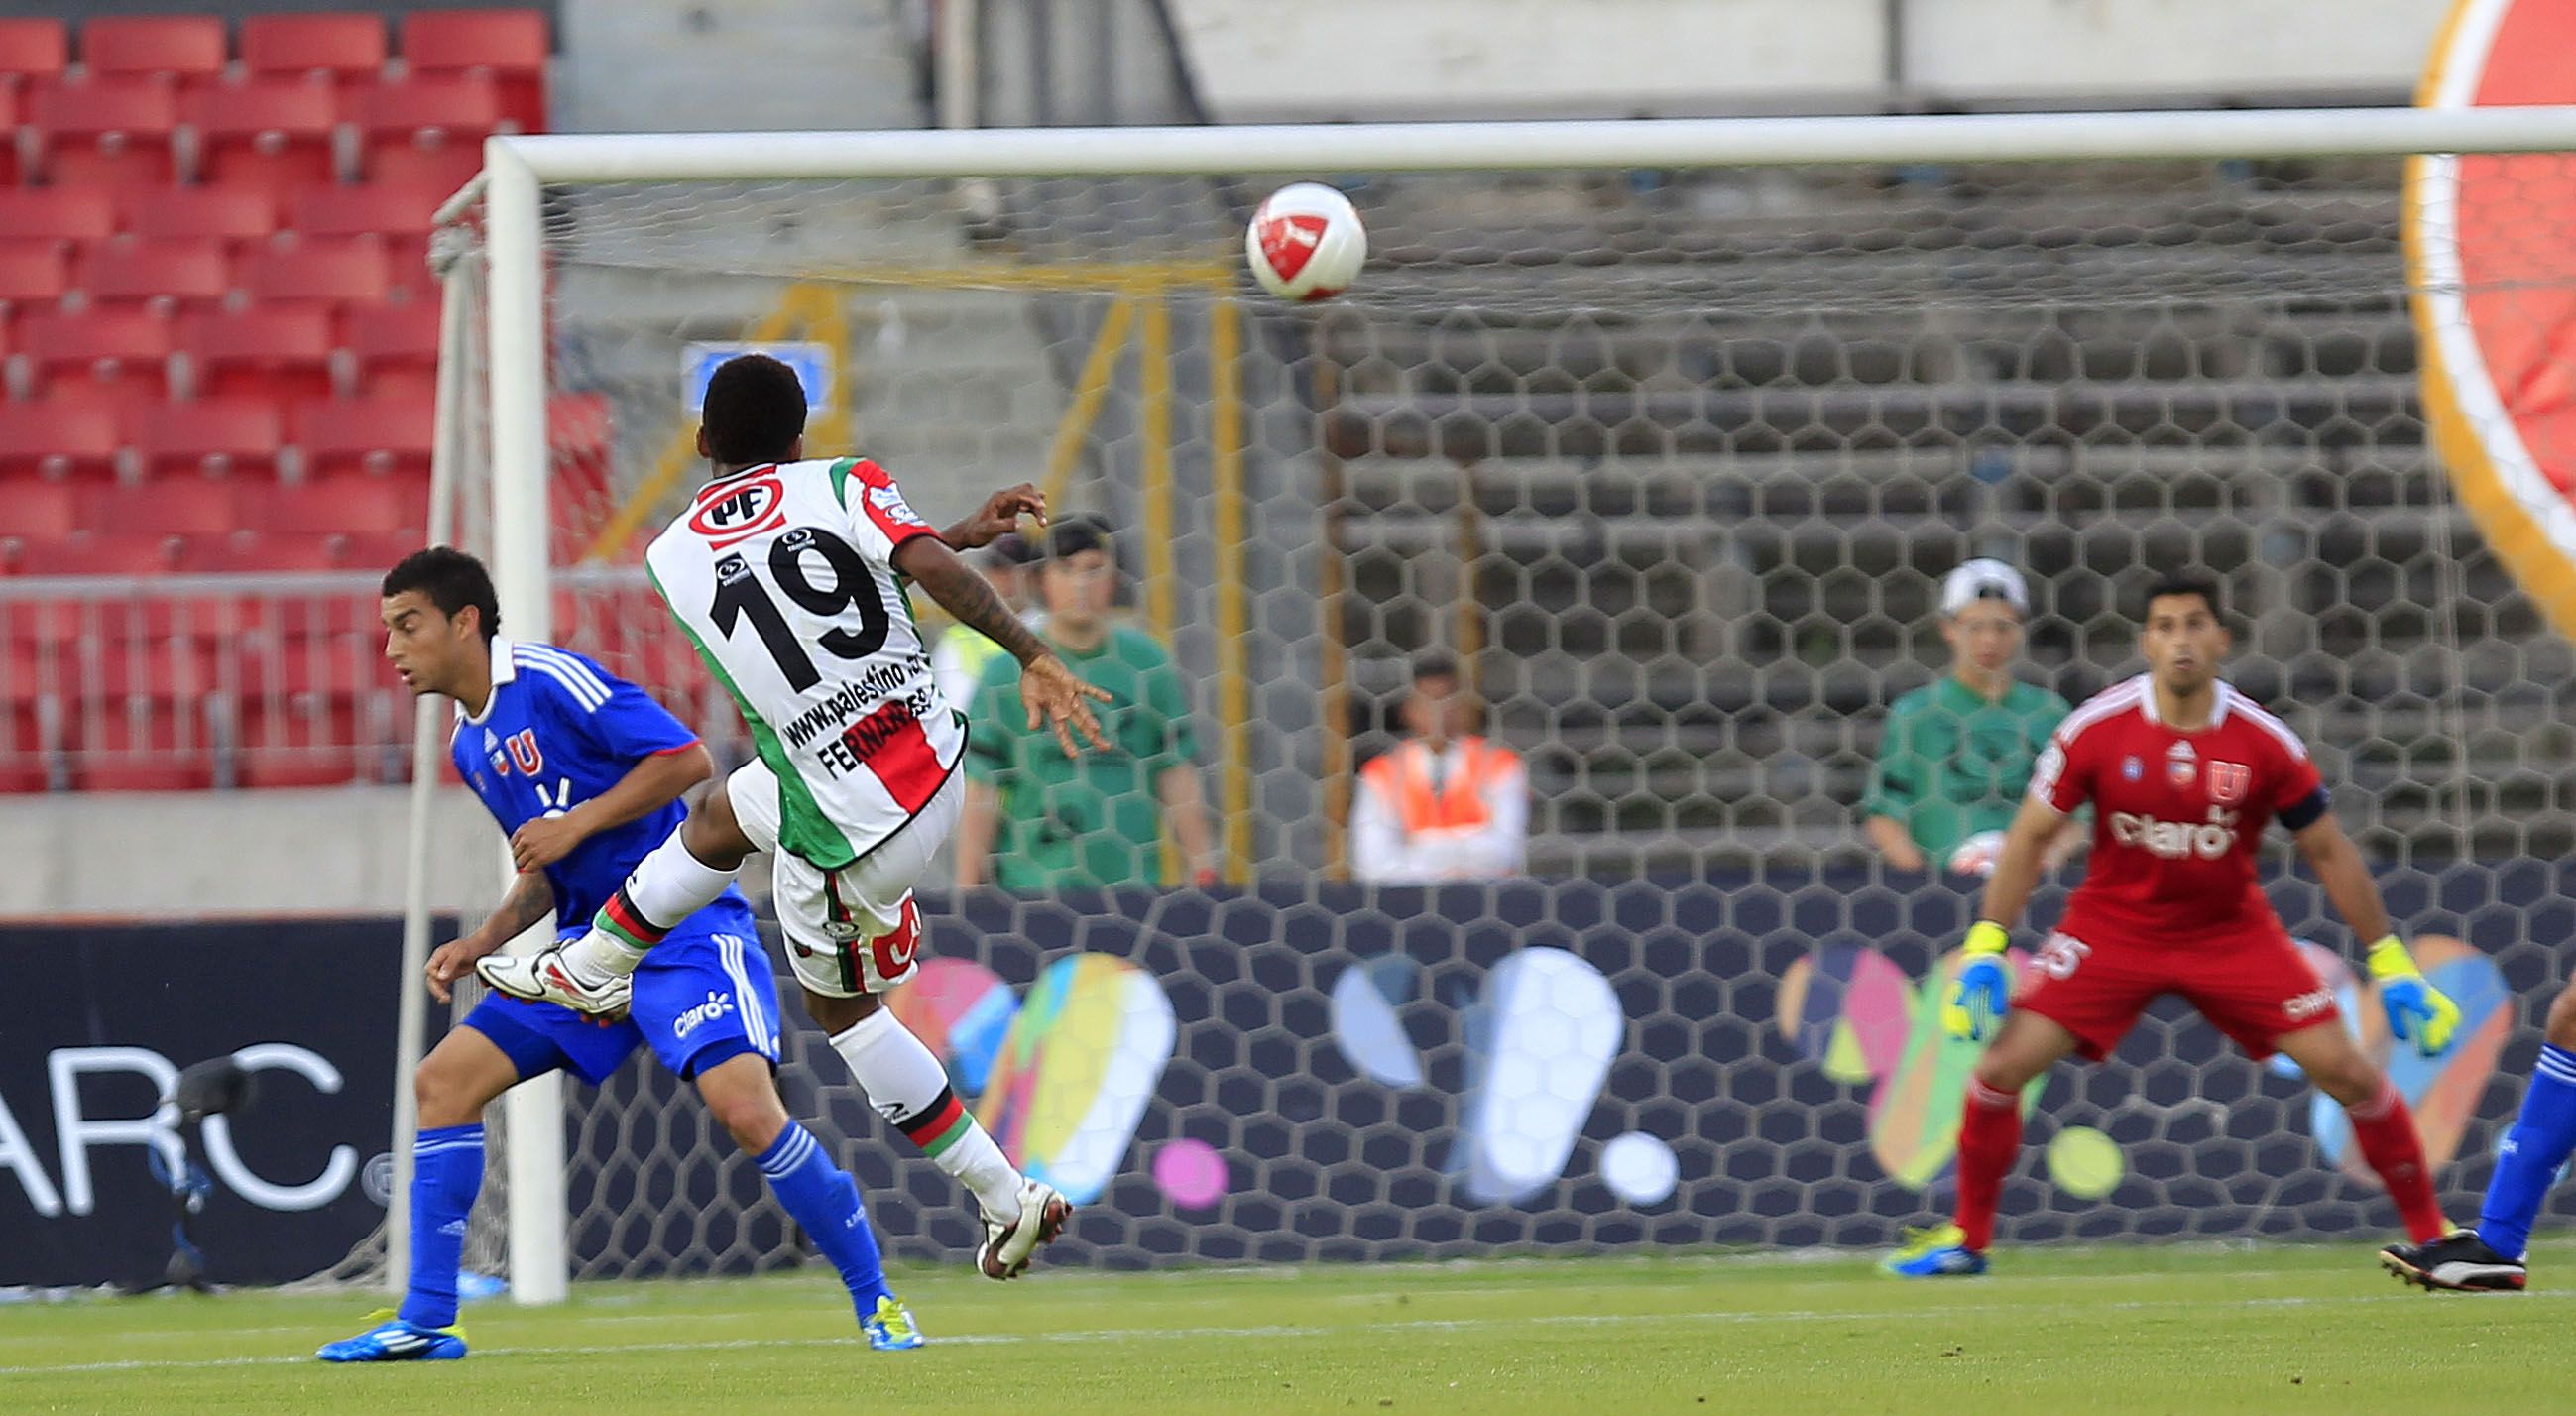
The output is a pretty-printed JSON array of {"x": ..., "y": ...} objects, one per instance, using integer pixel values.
[{"x": 1450, "y": 147}]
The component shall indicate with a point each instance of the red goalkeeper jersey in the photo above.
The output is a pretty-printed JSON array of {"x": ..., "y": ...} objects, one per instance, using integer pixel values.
[{"x": 2177, "y": 816}]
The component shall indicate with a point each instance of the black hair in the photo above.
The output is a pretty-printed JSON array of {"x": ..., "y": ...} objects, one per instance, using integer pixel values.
[
  {"x": 451, "y": 580},
  {"x": 2184, "y": 584},
  {"x": 755, "y": 411},
  {"x": 1432, "y": 666},
  {"x": 1073, "y": 535}
]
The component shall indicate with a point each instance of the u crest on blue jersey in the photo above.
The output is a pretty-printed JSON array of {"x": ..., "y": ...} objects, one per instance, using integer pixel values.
[{"x": 525, "y": 754}]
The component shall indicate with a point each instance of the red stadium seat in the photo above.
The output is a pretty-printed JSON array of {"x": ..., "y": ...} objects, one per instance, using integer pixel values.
[
  {"x": 509, "y": 46},
  {"x": 113, "y": 133},
  {"x": 349, "y": 506},
  {"x": 268, "y": 135},
  {"x": 26, "y": 755},
  {"x": 338, "y": 48},
  {"x": 303, "y": 740},
  {"x": 33, "y": 49},
  {"x": 33, "y": 271},
  {"x": 210, "y": 435},
  {"x": 129, "y": 270},
  {"x": 369, "y": 209},
  {"x": 11, "y": 107},
  {"x": 213, "y": 618},
  {"x": 58, "y": 437},
  {"x": 366, "y": 435},
  {"x": 283, "y": 661},
  {"x": 258, "y": 550},
  {"x": 346, "y": 270},
  {"x": 40, "y": 509},
  {"x": 141, "y": 745},
  {"x": 268, "y": 351},
  {"x": 426, "y": 132},
  {"x": 394, "y": 348},
  {"x": 57, "y": 214},
  {"x": 121, "y": 351},
  {"x": 168, "y": 506},
  {"x": 96, "y": 553},
  {"x": 181, "y": 46},
  {"x": 378, "y": 551},
  {"x": 146, "y": 666},
  {"x": 577, "y": 446},
  {"x": 236, "y": 214}
]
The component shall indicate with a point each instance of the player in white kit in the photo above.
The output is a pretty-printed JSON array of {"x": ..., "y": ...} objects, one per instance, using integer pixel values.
[{"x": 789, "y": 577}]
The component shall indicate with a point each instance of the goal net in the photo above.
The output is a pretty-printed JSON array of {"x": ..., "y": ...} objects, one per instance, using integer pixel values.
[{"x": 1670, "y": 457}]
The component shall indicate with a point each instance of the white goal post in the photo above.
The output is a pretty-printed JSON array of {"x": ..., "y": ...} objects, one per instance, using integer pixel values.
[{"x": 519, "y": 169}]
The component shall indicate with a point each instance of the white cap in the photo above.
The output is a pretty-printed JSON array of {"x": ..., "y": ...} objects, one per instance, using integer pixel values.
[{"x": 1984, "y": 579}]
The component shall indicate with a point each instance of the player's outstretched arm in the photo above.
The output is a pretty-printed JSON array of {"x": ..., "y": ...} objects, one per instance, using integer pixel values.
[
  {"x": 1000, "y": 514},
  {"x": 531, "y": 898},
  {"x": 1983, "y": 991},
  {"x": 2017, "y": 868},
  {"x": 654, "y": 783},
  {"x": 1050, "y": 691},
  {"x": 2339, "y": 867},
  {"x": 2417, "y": 1011}
]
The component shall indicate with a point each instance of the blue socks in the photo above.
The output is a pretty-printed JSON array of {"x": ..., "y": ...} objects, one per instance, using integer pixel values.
[
  {"x": 447, "y": 1170},
  {"x": 825, "y": 1200},
  {"x": 2527, "y": 1160}
]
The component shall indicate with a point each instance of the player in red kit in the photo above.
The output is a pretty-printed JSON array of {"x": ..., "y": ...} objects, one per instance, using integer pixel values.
[{"x": 2183, "y": 774}]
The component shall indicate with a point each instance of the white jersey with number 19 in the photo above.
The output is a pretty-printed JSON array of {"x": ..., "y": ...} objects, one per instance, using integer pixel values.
[{"x": 783, "y": 575}]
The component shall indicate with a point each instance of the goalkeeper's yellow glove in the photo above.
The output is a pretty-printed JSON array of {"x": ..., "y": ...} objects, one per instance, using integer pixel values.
[
  {"x": 2417, "y": 1011},
  {"x": 1983, "y": 992}
]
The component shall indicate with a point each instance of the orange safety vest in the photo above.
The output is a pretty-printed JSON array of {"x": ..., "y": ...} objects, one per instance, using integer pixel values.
[{"x": 1403, "y": 777}]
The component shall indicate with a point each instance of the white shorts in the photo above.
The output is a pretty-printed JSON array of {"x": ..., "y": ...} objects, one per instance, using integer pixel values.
[{"x": 853, "y": 930}]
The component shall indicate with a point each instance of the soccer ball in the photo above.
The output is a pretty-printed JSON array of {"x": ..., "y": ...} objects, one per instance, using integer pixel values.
[{"x": 1305, "y": 243}]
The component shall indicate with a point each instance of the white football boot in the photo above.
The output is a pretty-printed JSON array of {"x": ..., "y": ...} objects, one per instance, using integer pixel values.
[
  {"x": 546, "y": 976},
  {"x": 1007, "y": 1248}
]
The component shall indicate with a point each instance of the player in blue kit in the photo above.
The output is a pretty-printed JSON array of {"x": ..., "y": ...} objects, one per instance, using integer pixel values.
[{"x": 585, "y": 772}]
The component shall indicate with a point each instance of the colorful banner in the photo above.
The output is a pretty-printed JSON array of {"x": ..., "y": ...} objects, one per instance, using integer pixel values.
[{"x": 1294, "y": 1074}]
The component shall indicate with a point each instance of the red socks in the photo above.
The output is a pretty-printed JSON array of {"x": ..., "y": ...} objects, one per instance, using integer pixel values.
[
  {"x": 1989, "y": 1138},
  {"x": 2385, "y": 1130}
]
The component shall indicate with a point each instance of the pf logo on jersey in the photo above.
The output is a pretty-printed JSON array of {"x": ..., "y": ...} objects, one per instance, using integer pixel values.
[
  {"x": 2228, "y": 781},
  {"x": 730, "y": 512}
]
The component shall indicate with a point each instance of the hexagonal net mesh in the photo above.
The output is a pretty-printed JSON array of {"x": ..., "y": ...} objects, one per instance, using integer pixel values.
[{"x": 1672, "y": 464}]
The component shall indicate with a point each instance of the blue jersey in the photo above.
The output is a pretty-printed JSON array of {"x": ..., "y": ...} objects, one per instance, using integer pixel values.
[{"x": 558, "y": 731}]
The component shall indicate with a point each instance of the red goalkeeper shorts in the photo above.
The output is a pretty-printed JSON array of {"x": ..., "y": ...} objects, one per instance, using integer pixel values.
[{"x": 2251, "y": 983}]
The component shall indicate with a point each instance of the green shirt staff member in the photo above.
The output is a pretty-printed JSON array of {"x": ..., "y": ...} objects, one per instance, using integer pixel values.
[
  {"x": 1955, "y": 756},
  {"x": 1036, "y": 821}
]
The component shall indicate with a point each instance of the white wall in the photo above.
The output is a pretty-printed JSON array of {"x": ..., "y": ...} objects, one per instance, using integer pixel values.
[
  {"x": 1325, "y": 59},
  {"x": 2042, "y": 48},
  {"x": 331, "y": 851},
  {"x": 1337, "y": 59}
]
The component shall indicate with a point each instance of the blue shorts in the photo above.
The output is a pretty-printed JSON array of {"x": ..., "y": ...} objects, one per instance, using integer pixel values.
[{"x": 704, "y": 995}]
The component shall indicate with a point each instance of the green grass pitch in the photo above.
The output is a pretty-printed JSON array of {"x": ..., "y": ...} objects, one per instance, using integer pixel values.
[{"x": 2188, "y": 1330}]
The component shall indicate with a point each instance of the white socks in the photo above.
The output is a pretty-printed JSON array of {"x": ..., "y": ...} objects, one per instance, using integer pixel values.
[
  {"x": 907, "y": 1086},
  {"x": 668, "y": 886}
]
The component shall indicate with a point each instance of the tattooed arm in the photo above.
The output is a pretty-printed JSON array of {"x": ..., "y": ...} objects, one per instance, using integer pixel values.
[
  {"x": 531, "y": 899},
  {"x": 1048, "y": 689}
]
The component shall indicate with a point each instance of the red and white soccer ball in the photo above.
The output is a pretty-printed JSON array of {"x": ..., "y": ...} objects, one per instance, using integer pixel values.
[{"x": 1306, "y": 243}]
